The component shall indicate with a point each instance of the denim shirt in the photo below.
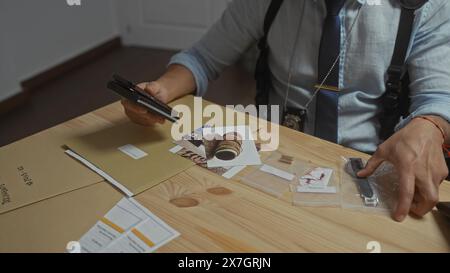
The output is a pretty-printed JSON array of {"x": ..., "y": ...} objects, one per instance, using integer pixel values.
[{"x": 366, "y": 52}]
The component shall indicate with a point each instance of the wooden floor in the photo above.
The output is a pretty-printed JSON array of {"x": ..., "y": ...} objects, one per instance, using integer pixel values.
[{"x": 83, "y": 90}]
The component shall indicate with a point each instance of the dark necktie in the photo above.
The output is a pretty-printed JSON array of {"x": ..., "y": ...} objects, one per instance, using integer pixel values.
[{"x": 328, "y": 97}]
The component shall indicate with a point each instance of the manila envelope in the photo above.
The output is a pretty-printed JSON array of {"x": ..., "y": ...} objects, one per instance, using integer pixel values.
[
  {"x": 154, "y": 165},
  {"x": 49, "y": 225},
  {"x": 36, "y": 168}
]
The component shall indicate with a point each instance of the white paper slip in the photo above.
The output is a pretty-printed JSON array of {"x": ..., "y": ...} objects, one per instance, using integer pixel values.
[
  {"x": 233, "y": 171},
  {"x": 277, "y": 172},
  {"x": 132, "y": 151},
  {"x": 133, "y": 208},
  {"x": 99, "y": 172},
  {"x": 117, "y": 221},
  {"x": 306, "y": 189},
  {"x": 176, "y": 149},
  {"x": 146, "y": 237}
]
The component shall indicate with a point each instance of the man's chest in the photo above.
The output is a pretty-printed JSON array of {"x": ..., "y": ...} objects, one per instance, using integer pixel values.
[{"x": 367, "y": 34}]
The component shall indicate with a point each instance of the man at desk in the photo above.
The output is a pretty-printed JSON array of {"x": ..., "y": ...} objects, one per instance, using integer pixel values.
[{"x": 345, "y": 48}]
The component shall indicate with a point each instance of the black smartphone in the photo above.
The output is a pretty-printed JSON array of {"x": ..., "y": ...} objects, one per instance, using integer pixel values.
[{"x": 132, "y": 92}]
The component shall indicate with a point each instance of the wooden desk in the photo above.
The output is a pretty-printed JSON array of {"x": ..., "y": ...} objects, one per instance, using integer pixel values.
[{"x": 237, "y": 218}]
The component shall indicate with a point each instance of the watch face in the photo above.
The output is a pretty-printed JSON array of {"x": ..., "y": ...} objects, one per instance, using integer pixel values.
[
  {"x": 294, "y": 118},
  {"x": 292, "y": 121}
]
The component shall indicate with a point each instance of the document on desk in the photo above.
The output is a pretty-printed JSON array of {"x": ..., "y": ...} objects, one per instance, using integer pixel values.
[
  {"x": 36, "y": 168},
  {"x": 127, "y": 228},
  {"x": 129, "y": 156},
  {"x": 49, "y": 225}
]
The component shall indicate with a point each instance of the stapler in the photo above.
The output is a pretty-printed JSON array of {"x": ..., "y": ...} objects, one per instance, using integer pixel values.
[{"x": 132, "y": 92}]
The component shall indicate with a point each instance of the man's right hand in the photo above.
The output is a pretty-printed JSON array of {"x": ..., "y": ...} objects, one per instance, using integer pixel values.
[
  {"x": 141, "y": 115},
  {"x": 178, "y": 79}
]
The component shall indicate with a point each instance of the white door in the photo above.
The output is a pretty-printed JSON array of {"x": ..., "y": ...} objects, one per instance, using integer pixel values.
[{"x": 172, "y": 24}]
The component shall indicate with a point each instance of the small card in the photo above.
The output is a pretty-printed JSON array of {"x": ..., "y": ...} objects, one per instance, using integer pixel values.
[
  {"x": 316, "y": 178},
  {"x": 117, "y": 221},
  {"x": 176, "y": 149},
  {"x": 277, "y": 172},
  {"x": 232, "y": 171},
  {"x": 132, "y": 151},
  {"x": 128, "y": 227}
]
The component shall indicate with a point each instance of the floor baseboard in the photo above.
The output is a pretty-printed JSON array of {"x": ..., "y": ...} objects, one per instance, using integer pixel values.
[
  {"x": 31, "y": 84},
  {"x": 13, "y": 102}
]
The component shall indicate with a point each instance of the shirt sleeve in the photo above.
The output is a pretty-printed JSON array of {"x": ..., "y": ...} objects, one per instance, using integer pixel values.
[
  {"x": 240, "y": 26},
  {"x": 429, "y": 64}
]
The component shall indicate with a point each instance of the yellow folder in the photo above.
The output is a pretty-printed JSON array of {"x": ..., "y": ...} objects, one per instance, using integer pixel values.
[
  {"x": 49, "y": 225},
  {"x": 36, "y": 168}
]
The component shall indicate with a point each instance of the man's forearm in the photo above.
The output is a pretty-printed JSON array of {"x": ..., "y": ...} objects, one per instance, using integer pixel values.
[{"x": 178, "y": 81}]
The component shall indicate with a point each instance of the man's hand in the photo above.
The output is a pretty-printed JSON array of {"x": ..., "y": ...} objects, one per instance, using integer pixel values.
[
  {"x": 176, "y": 82},
  {"x": 141, "y": 115},
  {"x": 416, "y": 153}
]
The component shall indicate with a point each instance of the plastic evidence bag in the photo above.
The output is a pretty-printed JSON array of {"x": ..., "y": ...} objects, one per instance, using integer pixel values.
[
  {"x": 273, "y": 176},
  {"x": 315, "y": 186},
  {"x": 377, "y": 193}
]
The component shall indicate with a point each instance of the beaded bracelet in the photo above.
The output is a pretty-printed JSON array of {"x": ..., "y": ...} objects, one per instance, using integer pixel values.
[{"x": 435, "y": 124}]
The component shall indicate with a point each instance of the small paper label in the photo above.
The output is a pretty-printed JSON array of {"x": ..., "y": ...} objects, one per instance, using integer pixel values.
[
  {"x": 132, "y": 151},
  {"x": 307, "y": 189},
  {"x": 233, "y": 171},
  {"x": 316, "y": 178},
  {"x": 277, "y": 172},
  {"x": 176, "y": 149}
]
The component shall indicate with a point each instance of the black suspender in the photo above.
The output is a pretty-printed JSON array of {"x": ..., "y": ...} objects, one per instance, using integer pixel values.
[
  {"x": 395, "y": 101},
  {"x": 262, "y": 71}
]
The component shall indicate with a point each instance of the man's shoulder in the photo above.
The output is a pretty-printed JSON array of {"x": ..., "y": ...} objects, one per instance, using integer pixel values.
[
  {"x": 431, "y": 6},
  {"x": 425, "y": 12},
  {"x": 435, "y": 11},
  {"x": 437, "y": 5}
]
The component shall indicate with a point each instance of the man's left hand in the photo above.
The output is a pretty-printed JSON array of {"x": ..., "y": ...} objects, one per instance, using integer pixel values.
[{"x": 416, "y": 153}]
